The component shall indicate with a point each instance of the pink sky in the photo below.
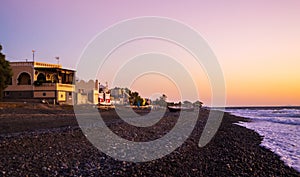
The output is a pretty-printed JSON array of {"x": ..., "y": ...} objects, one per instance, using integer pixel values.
[{"x": 256, "y": 42}]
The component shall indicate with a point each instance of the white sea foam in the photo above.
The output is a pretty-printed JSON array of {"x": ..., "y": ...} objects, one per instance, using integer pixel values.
[{"x": 280, "y": 128}]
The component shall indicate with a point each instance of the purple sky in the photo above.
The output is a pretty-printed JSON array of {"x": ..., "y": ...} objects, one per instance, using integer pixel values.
[{"x": 256, "y": 42}]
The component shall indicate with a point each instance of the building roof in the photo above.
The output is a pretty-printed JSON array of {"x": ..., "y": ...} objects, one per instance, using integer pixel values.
[{"x": 40, "y": 65}]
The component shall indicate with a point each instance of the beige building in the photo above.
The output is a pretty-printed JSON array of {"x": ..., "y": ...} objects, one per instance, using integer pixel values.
[
  {"x": 119, "y": 96},
  {"x": 37, "y": 81},
  {"x": 86, "y": 92}
]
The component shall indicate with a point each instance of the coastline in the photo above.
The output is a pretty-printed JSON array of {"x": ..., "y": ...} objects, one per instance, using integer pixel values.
[{"x": 61, "y": 149}]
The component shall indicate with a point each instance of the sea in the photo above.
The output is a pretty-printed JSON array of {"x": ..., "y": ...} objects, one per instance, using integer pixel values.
[{"x": 280, "y": 127}]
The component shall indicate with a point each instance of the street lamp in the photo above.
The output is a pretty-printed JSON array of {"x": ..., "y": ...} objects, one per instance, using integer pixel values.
[{"x": 33, "y": 55}]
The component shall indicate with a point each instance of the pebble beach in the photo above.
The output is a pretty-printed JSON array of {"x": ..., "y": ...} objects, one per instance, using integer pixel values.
[{"x": 42, "y": 141}]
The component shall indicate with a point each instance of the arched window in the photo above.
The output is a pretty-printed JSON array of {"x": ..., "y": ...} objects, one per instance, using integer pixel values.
[
  {"x": 41, "y": 78},
  {"x": 24, "y": 79},
  {"x": 54, "y": 78}
]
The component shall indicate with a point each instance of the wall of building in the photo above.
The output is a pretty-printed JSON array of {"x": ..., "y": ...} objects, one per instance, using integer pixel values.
[
  {"x": 82, "y": 98},
  {"x": 44, "y": 94},
  {"x": 18, "y": 94},
  {"x": 19, "y": 68},
  {"x": 65, "y": 97},
  {"x": 49, "y": 89}
]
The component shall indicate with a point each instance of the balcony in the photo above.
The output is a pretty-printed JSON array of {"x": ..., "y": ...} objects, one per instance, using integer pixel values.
[
  {"x": 55, "y": 86},
  {"x": 19, "y": 88}
]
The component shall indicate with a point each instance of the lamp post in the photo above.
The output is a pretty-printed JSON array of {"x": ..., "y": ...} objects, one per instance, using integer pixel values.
[{"x": 33, "y": 55}]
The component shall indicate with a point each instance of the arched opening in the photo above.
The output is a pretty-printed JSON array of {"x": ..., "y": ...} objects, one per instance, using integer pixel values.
[
  {"x": 41, "y": 78},
  {"x": 24, "y": 79},
  {"x": 54, "y": 78}
]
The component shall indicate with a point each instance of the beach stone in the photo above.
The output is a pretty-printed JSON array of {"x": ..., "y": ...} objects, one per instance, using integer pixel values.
[{"x": 51, "y": 144}]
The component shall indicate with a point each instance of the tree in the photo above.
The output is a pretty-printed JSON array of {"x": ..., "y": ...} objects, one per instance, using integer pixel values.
[
  {"x": 163, "y": 97},
  {"x": 163, "y": 100},
  {"x": 134, "y": 96},
  {"x": 197, "y": 104},
  {"x": 5, "y": 73},
  {"x": 187, "y": 103}
]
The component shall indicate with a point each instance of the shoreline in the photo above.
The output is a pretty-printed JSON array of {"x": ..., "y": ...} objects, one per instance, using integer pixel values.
[
  {"x": 234, "y": 150},
  {"x": 255, "y": 107}
]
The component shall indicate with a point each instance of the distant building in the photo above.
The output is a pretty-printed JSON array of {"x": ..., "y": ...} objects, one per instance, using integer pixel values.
[
  {"x": 86, "y": 92},
  {"x": 37, "y": 81},
  {"x": 119, "y": 95}
]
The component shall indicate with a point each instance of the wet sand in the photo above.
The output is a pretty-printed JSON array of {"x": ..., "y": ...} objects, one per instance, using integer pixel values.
[{"x": 40, "y": 141}]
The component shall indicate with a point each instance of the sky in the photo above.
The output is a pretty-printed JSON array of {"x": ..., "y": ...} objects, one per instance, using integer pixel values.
[{"x": 256, "y": 42}]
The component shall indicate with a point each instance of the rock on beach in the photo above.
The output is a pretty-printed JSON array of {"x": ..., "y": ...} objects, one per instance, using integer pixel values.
[{"x": 46, "y": 142}]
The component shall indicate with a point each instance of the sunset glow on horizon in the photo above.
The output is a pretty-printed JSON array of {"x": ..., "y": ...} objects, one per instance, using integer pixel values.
[{"x": 256, "y": 43}]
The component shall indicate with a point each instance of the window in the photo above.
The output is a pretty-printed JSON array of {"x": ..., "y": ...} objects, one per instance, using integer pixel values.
[
  {"x": 24, "y": 79},
  {"x": 44, "y": 94},
  {"x": 41, "y": 78},
  {"x": 54, "y": 78}
]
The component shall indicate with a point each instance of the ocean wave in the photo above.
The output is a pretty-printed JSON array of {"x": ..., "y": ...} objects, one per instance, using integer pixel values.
[
  {"x": 284, "y": 116},
  {"x": 279, "y": 120},
  {"x": 280, "y": 129}
]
